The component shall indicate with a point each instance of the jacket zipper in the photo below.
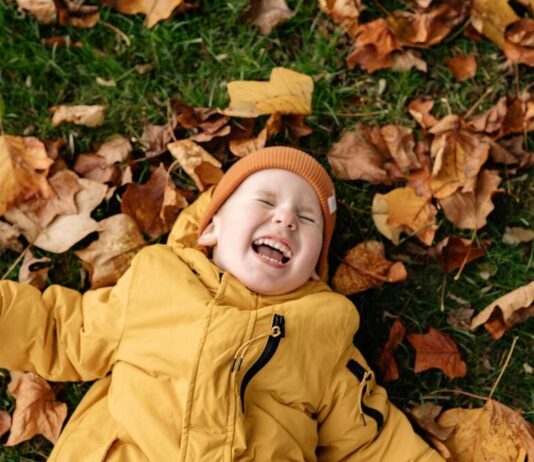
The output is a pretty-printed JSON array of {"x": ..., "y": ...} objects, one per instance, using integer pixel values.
[
  {"x": 364, "y": 375},
  {"x": 275, "y": 335}
]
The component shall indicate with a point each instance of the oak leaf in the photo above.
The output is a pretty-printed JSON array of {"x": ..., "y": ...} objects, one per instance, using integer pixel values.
[
  {"x": 386, "y": 362},
  {"x": 9, "y": 238},
  {"x": 508, "y": 310},
  {"x": 455, "y": 252},
  {"x": 346, "y": 13},
  {"x": 437, "y": 350},
  {"x": 287, "y": 92},
  {"x": 36, "y": 409},
  {"x": 90, "y": 116},
  {"x": 469, "y": 210},
  {"x": 267, "y": 14},
  {"x": 107, "y": 258},
  {"x": 24, "y": 165},
  {"x": 425, "y": 415},
  {"x": 491, "y": 17},
  {"x": 5, "y": 422},
  {"x": 44, "y": 10},
  {"x": 34, "y": 270},
  {"x": 463, "y": 66},
  {"x": 491, "y": 433},
  {"x": 197, "y": 163},
  {"x": 155, "y": 10}
]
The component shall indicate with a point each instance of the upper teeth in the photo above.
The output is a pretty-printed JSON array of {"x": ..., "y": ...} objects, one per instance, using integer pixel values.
[{"x": 275, "y": 245}]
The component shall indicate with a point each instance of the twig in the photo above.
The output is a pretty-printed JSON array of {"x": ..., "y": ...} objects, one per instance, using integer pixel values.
[
  {"x": 120, "y": 33},
  {"x": 478, "y": 102},
  {"x": 443, "y": 288},
  {"x": 16, "y": 262},
  {"x": 460, "y": 392},
  {"x": 504, "y": 367}
]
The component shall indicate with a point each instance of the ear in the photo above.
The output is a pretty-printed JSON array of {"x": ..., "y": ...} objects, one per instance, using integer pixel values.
[
  {"x": 315, "y": 276},
  {"x": 208, "y": 237}
]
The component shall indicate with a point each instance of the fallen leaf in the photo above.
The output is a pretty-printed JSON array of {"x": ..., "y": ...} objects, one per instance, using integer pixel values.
[
  {"x": 437, "y": 350},
  {"x": 24, "y": 165},
  {"x": 386, "y": 362},
  {"x": 90, "y": 116},
  {"x": 75, "y": 13},
  {"x": 463, "y": 66},
  {"x": 155, "y": 138},
  {"x": 200, "y": 165},
  {"x": 44, "y": 10},
  {"x": 519, "y": 45},
  {"x": 510, "y": 152},
  {"x": 107, "y": 258},
  {"x": 400, "y": 143},
  {"x": 5, "y": 422},
  {"x": 515, "y": 235},
  {"x": 491, "y": 17},
  {"x": 9, "y": 238},
  {"x": 36, "y": 409},
  {"x": 287, "y": 92},
  {"x": 508, "y": 310},
  {"x": 455, "y": 252},
  {"x": 402, "y": 210},
  {"x": 62, "y": 41},
  {"x": 491, "y": 433},
  {"x": 461, "y": 318},
  {"x": 145, "y": 203},
  {"x": 425, "y": 415},
  {"x": 346, "y": 13},
  {"x": 243, "y": 147},
  {"x": 420, "y": 111},
  {"x": 491, "y": 120},
  {"x": 267, "y": 14},
  {"x": 470, "y": 210},
  {"x": 34, "y": 271}
]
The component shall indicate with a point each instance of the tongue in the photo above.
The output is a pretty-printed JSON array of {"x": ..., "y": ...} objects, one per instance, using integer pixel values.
[{"x": 270, "y": 252}]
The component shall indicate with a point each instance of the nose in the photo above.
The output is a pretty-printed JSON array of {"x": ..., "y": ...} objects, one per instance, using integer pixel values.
[{"x": 285, "y": 218}]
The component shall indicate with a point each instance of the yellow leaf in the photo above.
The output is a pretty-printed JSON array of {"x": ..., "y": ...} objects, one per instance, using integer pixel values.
[
  {"x": 155, "y": 10},
  {"x": 491, "y": 17},
  {"x": 287, "y": 92}
]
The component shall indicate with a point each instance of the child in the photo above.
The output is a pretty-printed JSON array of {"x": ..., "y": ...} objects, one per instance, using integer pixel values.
[{"x": 247, "y": 356}]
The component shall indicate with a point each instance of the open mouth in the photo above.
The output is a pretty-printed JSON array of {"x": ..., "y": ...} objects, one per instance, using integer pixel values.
[{"x": 272, "y": 250}]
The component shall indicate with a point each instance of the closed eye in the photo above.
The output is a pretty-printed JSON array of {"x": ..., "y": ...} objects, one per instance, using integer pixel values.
[
  {"x": 308, "y": 219},
  {"x": 266, "y": 202}
]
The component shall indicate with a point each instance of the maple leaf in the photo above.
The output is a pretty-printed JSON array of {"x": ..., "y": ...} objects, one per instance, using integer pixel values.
[
  {"x": 5, "y": 422},
  {"x": 420, "y": 111},
  {"x": 491, "y": 17},
  {"x": 24, "y": 165},
  {"x": 491, "y": 433},
  {"x": 242, "y": 147},
  {"x": 147, "y": 206},
  {"x": 36, "y": 409},
  {"x": 463, "y": 66},
  {"x": 346, "y": 13},
  {"x": 454, "y": 252},
  {"x": 425, "y": 415},
  {"x": 44, "y": 10},
  {"x": 365, "y": 266},
  {"x": 107, "y": 258},
  {"x": 9, "y": 238},
  {"x": 508, "y": 310},
  {"x": 437, "y": 350},
  {"x": 267, "y": 14},
  {"x": 287, "y": 92},
  {"x": 470, "y": 210},
  {"x": 34, "y": 271},
  {"x": 386, "y": 362},
  {"x": 197, "y": 163},
  {"x": 402, "y": 210},
  {"x": 90, "y": 116}
]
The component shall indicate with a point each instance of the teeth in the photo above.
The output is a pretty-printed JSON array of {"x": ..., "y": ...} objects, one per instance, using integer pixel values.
[{"x": 275, "y": 245}]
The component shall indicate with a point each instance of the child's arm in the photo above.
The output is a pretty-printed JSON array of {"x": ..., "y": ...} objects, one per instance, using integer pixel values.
[
  {"x": 61, "y": 334},
  {"x": 358, "y": 423}
]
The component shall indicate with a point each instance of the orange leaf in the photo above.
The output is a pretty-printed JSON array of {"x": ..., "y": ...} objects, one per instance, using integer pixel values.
[
  {"x": 491, "y": 17},
  {"x": 454, "y": 252},
  {"x": 386, "y": 362},
  {"x": 437, "y": 350},
  {"x": 346, "y": 13},
  {"x": 463, "y": 66},
  {"x": 420, "y": 111}
]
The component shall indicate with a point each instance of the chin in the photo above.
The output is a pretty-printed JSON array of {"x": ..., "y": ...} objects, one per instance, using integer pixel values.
[{"x": 262, "y": 288}]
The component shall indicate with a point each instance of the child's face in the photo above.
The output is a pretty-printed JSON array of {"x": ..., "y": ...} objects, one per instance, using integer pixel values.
[{"x": 269, "y": 232}]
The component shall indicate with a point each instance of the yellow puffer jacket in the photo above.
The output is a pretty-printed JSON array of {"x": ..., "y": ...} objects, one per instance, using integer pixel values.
[{"x": 192, "y": 366}]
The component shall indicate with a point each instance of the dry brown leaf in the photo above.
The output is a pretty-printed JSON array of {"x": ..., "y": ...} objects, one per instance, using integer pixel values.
[
  {"x": 96, "y": 168},
  {"x": 107, "y": 258},
  {"x": 402, "y": 210},
  {"x": 75, "y": 13},
  {"x": 61, "y": 41},
  {"x": 5, "y": 422},
  {"x": 267, "y": 14},
  {"x": 34, "y": 271},
  {"x": 420, "y": 111},
  {"x": 515, "y": 235},
  {"x": 155, "y": 138},
  {"x": 463, "y": 66},
  {"x": 346, "y": 13},
  {"x": 44, "y": 10},
  {"x": 400, "y": 143},
  {"x": 155, "y": 10},
  {"x": 461, "y": 318},
  {"x": 90, "y": 116},
  {"x": 437, "y": 350},
  {"x": 24, "y": 165},
  {"x": 425, "y": 415},
  {"x": 146, "y": 205},
  {"x": 386, "y": 362},
  {"x": 364, "y": 267},
  {"x": 9, "y": 238},
  {"x": 200, "y": 165},
  {"x": 491, "y": 433},
  {"x": 287, "y": 92},
  {"x": 455, "y": 252},
  {"x": 243, "y": 147},
  {"x": 420, "y": 180},
  {"x": 519, "y": 45},
  {"x": 491, "y": 17},
  {"x": 116, "y": 149},
  {"x": 510, "y": 152},
  {"x": 470, "y": 210},
  {"x": 36, "y": 409},
  {"x": 503, "y": 313},
  {"x": 491, "y": 120}
]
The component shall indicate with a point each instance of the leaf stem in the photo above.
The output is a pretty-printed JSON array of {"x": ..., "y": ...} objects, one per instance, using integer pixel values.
[{"x": 504, "y": 367}]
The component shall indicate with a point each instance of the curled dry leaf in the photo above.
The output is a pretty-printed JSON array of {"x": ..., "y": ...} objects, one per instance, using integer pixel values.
[
  {"x": 425, "y": 415},
  {"x": 287, "y": 92},
  {"x": 36, "y": 409},
  {"x": 463, "y": 66},
  {"x": 24, "y": 165},
  {"x": 455, "y": 252},
  {"x": 33, "y": 270},
  {"x": 75, "y": 13},
  {"x": 491, "y": 120},
  {"x": 9, "y": 238},
  {"x": 44, "y": 10},
  {"x": 155, "y": 138},
  {"x": 386, "y": 362},
  {"x": 346, "y": 13},
  {"x": 242, "y": 147},
  {"x": 510, "y": 152},
  {"x": 267, "y": 14},
  {"x": 503, "y": 313},
  {"x": 470, "y": 210},
  {"x": 491, "y": 433},
  {"x": 402, "y": 210},
  {"x": 437, "y": 350},
  {"x": 90, "y": 116},
  {"x": 515, "y": 235},
  {"x": 154, "y": 205},
  {"x": 5, "y": 422},
  {"x": 519, "y": 45},
  {"x": 107, "y": 258},
  {"x": 364, "y": 267},
  {"x": 197, "y": 163},
  {"x": 491, "y": 17},
  {"x": 420, "y": 111}
]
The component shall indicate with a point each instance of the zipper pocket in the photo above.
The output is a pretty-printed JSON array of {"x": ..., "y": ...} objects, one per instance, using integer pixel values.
[
  {"x": 364, "y": 375},
  {"x": 278, "y": 329}
]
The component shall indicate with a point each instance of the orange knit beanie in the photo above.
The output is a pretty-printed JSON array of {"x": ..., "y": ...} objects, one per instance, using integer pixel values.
[{"x": 284, "y": 158}]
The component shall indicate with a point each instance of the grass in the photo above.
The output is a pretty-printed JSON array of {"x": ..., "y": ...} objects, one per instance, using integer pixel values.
[{"x": 194, "y": 55}]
